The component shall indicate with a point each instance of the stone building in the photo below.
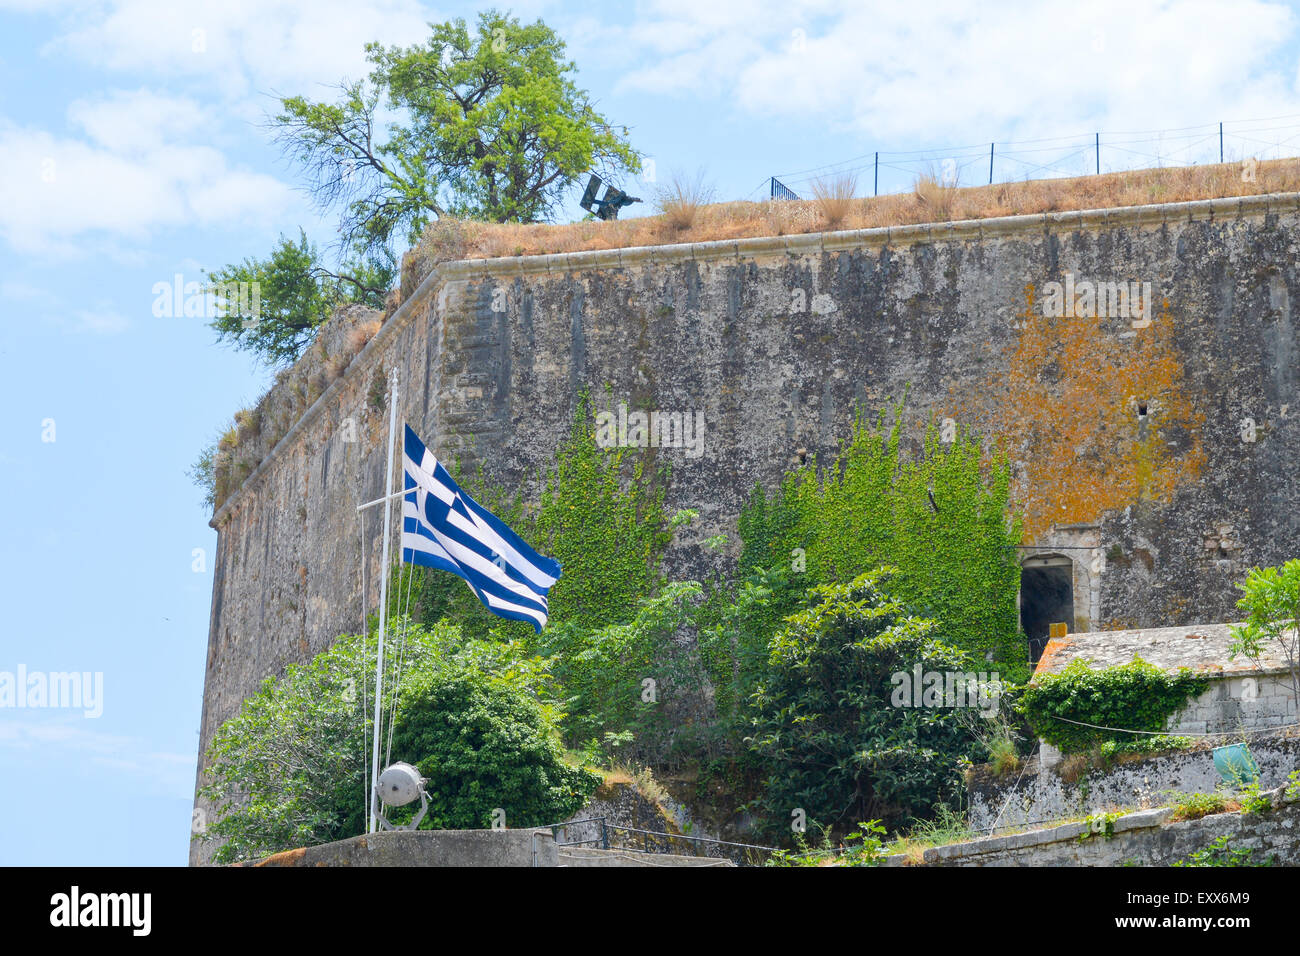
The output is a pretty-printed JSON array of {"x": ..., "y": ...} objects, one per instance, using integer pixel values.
[
  {"x": 1153, "y": 434},
  {"x": 1244, "y": 695}
]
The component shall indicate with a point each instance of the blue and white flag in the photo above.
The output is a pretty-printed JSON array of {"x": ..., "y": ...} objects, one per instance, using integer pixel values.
[{"x": 443, "y": 527}]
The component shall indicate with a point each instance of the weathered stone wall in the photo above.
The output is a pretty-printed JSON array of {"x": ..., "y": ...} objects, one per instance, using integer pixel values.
[
  {"x": 1247, "y": 702},
  {"x": 1128, "y": 436},
  {"x": 468, "y": 848},
  {"x": 617, "y": 813},
  {"x": 1043, "y": 793},
  {"x": 620, "y": 805},
  {"x": 426, "y": 848},
  {"x": 1144, "y": 838}
]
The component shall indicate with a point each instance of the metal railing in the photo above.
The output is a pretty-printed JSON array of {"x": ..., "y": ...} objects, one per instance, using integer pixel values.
[
  {"x": 1262, "y": 138},
  {"x": 781, "y": 191}
]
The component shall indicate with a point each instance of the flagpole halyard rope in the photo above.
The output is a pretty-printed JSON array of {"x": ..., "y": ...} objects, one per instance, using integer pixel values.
[
  {"x": 405, "y": 614},
  {"x": 383, "y": 606},
  {"x": 365, "y": 696}
]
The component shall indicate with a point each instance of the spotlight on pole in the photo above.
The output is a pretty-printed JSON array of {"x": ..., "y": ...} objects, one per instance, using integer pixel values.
[{"x": 397, "y": 786}]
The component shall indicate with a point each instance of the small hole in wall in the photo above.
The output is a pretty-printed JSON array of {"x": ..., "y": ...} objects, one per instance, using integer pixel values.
[
  {"x": 803, "y": 455},
  {"x": 1142, "y": 409}
]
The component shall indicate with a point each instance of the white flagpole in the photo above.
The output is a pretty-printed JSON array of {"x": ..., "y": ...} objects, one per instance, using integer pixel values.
[{"x": 383, "y": 605}]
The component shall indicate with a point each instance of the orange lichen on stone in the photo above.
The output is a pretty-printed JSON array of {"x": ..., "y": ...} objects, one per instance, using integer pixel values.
[
  {"x": 1094, "y": 413},
  {"x": 284, "y": 858},
  {"x": 1054, "y": 647}
]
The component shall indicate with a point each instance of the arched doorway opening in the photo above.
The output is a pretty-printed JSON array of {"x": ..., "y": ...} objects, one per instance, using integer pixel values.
[{"x": 1046, "y": 598}]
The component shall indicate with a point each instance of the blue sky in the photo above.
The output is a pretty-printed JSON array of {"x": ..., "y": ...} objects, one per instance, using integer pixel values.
[{"x": 132, "y": 149}]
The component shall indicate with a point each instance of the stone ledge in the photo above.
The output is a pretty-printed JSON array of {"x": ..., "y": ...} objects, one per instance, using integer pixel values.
[
  {"x": 1138, "y": 820},
  {"x": 1013, "y": 841},
  {"x": 1142, "y": 819}
]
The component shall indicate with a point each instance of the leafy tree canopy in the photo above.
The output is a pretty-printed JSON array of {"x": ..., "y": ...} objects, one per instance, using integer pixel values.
[
  {"x": 831, "y": 740},
  {"x": 1271, "y": 600},
  {"x": 272, "y": 307},
  {"x": 487, "y": 124}
]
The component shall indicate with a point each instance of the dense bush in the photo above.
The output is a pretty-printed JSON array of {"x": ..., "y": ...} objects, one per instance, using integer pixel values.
[
  {"x": 485, "y": 745},
  {"x": 629, "y": 677},
  {"x": 734, "y": 633},
  {"x": 830, "y": 739},
  {"x": 288, "y": 770},
  {"x": 1133, "y": 696}
]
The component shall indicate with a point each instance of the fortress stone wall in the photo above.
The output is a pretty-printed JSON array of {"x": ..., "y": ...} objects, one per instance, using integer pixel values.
[{"x": 1156, "y": 452}]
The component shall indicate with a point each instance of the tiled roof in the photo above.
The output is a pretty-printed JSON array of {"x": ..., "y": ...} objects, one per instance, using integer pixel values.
[{"x": 1202, "y": 647}]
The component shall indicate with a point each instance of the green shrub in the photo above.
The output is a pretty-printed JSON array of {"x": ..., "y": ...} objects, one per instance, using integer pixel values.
[
  {"x": 1254, "y": 802},
  {"x": 735, "y": 630},
  {"x": 485, "y": 745},
  {"x": 603, "y": 672},
  {"x": 1133, "y": 696},
  {"x": 1219, "y": 853},
  {"x": 825, "y": 729},
  {"x": 288, "y": 770},
  {"x": 1198, "y": 805}
]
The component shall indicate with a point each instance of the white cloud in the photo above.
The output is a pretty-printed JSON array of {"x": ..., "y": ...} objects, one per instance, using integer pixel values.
[
  {"x": 238, "y": 48},
  {"x": 140, "y": 121},
  {"x": 140, "y": 161},
  {"x": 951, "y": 72},
  {"x": 139, "y": 170}
]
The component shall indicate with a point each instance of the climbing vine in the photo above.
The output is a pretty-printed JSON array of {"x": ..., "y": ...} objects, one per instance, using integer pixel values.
[
  {"x": 601, "y": 515},
  {"x": 943, "y": 518},
  {"x": 1133, "y": 696},
  {"x": 607, "y": 534}
]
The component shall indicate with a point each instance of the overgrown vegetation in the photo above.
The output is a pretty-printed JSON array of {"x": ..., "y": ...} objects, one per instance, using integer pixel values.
[
  {"x": 1271, "y": 600},
  {"x": 945, "y": 827},
  {"x": 680, "y": 199},
  {"x": 223, "y": 465},
  {"x": 1197, "y": 805},
  {"x": 825, "y": 729},
  {"x": 775, "y": 684},
  {"x": 1221, "y": 853},
  {"x": 477, "y": 716},
  {"x": 941, "y": 518},
  {"x": 1135, "y": 696},
  {"x": 834, "y": 197},
  {"x": 296, "y": 295},
  {"x": 863, "y": 846},
  {"x": 742, "y": 219}
]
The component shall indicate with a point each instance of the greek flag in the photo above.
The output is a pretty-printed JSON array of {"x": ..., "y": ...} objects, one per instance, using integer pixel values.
[{"x": 443, "y": 527}]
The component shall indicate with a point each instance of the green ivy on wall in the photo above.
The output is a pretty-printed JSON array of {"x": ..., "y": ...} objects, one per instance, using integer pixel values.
[
  {"x": 607, "y": 537},
  {"x": 943, "y": 518},
  {"x": 601, "y": 515},
  {"x": 1133, "y": 696}
]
